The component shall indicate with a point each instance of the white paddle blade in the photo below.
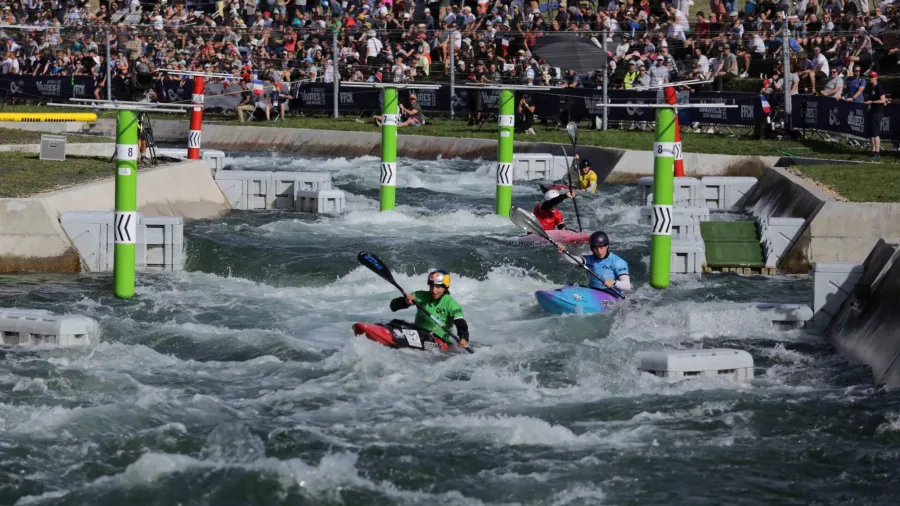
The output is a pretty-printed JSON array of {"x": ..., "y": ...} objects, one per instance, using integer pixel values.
[
  {"x": 526, "y": 221},
  {"x": 572, "y": 130}
]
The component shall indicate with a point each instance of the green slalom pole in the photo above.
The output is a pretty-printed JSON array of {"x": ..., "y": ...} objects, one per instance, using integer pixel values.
[
  {"x": 125, "y": 223},
  {"x": 505, "y": 151},
  {"x": 390, "y": 117},
  {"x": 663, "y": 197}
]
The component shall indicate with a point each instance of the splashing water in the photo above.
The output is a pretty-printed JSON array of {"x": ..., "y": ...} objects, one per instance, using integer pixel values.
[{"x": 239, "y": 381}]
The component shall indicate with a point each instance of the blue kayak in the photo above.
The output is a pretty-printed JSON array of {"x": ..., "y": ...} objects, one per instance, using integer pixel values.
[{"x": 574, "y": 299}]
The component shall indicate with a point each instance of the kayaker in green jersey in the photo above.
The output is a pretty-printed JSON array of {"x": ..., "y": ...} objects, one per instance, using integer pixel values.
[{"x": 437, "y": 301}]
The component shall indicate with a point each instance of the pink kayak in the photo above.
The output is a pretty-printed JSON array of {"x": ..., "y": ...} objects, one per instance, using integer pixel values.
[{"x": 560, "y": 236}]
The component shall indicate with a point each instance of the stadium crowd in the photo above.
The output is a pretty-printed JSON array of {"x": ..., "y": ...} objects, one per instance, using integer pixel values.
[{"x": 833, "y": 42}]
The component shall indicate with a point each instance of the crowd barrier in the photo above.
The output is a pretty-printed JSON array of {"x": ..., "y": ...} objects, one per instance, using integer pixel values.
[
  {"x": 819, "y": 113},
  {"x": 841, "y": 117},
  {"x": 580, "y": 103}
]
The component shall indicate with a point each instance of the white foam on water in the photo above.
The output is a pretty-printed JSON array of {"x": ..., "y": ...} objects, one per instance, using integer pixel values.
[
  {"x": 414, "y": 223},
  {"x": 153, "y": 374},
  {"x": 780, "y": 354},
  {"x": 451, "y": 176},
  {"x": 891, "y": 425},
  {"x": 579, "y": 495},
  {"x": 510, "y": 430},
  {"x": 325, "y": 480}
]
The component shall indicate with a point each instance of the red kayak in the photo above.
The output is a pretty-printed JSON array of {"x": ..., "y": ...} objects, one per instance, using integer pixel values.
[
  {"x": 559, "y": 187},
  {"x": 560, "y": 236},
  {"x": 401, "y": 334}
]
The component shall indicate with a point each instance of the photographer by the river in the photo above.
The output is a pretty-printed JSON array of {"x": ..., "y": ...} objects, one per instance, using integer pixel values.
[{"x": 525, "y": 115}]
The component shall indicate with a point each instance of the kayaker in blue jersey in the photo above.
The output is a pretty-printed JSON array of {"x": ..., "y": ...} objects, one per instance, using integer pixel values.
[
  {"x": 611, "y": 268},
  {"x": 437, "y": 301}
]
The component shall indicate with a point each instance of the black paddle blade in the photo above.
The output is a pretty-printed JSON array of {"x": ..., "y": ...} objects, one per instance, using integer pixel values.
[{"x": 374, "y": 264}]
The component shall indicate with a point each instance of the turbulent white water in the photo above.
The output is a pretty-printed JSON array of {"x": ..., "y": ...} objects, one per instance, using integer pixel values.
[{"x": 240, "y": 382}]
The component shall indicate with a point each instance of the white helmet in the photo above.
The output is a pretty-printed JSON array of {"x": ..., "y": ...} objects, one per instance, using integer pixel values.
[{"x": 550, "y": 195}]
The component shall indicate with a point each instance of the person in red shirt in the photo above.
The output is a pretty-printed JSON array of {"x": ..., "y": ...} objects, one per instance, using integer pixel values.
[{"x": 546, "y": 212}]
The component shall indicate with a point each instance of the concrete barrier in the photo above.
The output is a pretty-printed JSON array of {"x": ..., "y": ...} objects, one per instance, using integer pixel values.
[
  {"x": 31, "y": 238},
  {"x": 847, "y": 231},
  {"x": 623, "y": 164},
  {"x": 780, "y": 194},
  {"x": 638, "y": 163},
  {"x": 180, "y": 189},
  {"x": 56, "y": 127},
  {"x": 865, "y": 329},
  {"x": 72, "y": 148}
]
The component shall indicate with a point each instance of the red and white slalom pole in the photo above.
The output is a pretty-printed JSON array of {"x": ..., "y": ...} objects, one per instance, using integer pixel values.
[
  {"x": 196, "y": 119},
  {"x": 672, "y": 99}
]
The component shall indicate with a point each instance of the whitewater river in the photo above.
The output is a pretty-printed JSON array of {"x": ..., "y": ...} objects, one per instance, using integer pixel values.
[{"x": 239, "y": 381}]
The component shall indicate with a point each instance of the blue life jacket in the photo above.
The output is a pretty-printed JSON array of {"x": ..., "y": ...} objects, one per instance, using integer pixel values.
[{"x": 610, "y": 267}]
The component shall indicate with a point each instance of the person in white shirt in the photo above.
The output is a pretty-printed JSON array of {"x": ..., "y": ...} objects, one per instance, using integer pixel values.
[
  {"x": 329, "y": 73},
  {"x": 702, "y": 63},
  {"x": 659, "y": 74},
  {"x": 835, "y": 87},
  {"x": 623, "y": 47},
  {"x": 822, "y": 70},
  {"x": 10, "y": 64},
  {"x": 400, "y": 70},
  {"x": 373, "y": 47}
]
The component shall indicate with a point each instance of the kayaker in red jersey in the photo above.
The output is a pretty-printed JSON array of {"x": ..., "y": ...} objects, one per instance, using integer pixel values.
[{"x": 546, "y": 212}]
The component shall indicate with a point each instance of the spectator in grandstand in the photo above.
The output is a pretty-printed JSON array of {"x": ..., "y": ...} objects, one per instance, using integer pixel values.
[
  {"x": 856, "y": 86},
  {"x": 835, "y": 86},
  {"x": 246, "y": 103},
  {"x": 279, "y": 100}
]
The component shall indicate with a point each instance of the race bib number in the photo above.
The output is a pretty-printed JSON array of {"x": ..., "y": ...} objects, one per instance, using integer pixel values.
[{"x": 412, "y": 337}]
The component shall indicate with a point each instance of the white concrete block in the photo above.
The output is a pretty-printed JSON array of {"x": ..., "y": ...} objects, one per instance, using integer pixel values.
[
  {"x": 719, "y": 192},
  {"x": 685, "y": 227},
  {"x": 794, "y": 315},
  {"x": 686, "y": 191},
  {"x": 246, "y": 190},
  {"x": 529, "y": 166},
  {"x": 688, "y": 257},
  {"x": 159, "y": 245},
  {"x": 736, "y": 365},
  {"x": 282, "y": 191},
  {"x": 321, "y": 201},
  {"x": 25, "y": 328}
]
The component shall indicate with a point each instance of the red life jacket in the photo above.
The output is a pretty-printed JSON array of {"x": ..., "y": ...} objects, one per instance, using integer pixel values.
[{"x": 549, "y": 219}]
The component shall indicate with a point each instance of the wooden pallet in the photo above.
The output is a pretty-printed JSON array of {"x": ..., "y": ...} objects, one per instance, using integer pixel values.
[{"x": 762, "y": 271}]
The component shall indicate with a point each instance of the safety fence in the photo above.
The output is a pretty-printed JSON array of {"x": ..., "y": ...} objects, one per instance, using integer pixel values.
[{"x": 808, "y": 111}]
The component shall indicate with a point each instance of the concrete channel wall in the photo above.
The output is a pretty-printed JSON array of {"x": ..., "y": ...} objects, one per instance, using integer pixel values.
[
  {"x": 620, "y": 163},
  {"x": 866, "y": 328},
  {"x": 72, "y": 148},
  {"x": 31, "y": 238}
]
